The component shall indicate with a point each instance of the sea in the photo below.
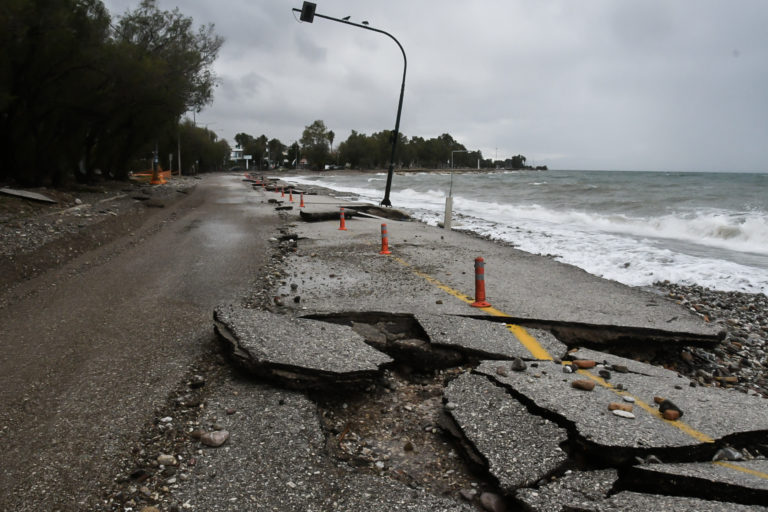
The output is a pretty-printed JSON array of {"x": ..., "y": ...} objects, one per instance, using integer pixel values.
[{"x": 638, "y": 228}]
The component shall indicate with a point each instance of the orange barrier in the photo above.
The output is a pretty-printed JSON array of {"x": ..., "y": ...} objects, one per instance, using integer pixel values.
[
  {"x": 480, "y": 301},
  {"x": 384, "y": 240},
  {"x": 301, "y": 204},
  {"x": 342, "y": 225}
]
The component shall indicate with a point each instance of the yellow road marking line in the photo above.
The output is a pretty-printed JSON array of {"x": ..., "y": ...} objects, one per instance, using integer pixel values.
[
  {"x": 692, "y": 432},
  {"x": 539, "y": 352},
  {"x": 528, "y": 341},
  {"x": 736, "y": 467}
]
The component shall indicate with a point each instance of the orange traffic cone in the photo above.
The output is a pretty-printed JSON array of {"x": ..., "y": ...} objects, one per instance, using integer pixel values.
[
  {"x": 342, "y": 225},
  {"x": 384, "y": 240},
  {"x": 282, "y": 192},
  {"x": 290, "y": 195},
  {"x": 480, "y": 301},
  {"x": 301, "y": 204}
]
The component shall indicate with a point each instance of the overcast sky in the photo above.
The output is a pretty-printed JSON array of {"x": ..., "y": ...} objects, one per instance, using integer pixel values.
[{"x": 589, "y": 84}]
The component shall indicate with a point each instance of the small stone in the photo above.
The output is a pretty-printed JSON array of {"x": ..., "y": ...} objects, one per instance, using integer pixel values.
[
  {"x": 215, "y": 438},
  {"x": 671, "y": 415},
  {"x": 500, "y": 370},
  {"x": 567, "y": 368},
  {"x": 231, "y": 411},
  {"x": 518, "y": 365},
  {"x": 408, "y": 447},
  {"x": 150, "y": 509},
  {"x": 652, "y": 459},
  {"x": 621, "y": 387},
  {"x": 468, "y": 494},
  {"x": 585, "y": 385},
  {"x": 451, "y": 406},
  {"x": 686, "y": 356},
  {"x": 197, "y": 433},
  {"x": 624, "y": 414},
  {"x": 728, "y": 453},
  {"x": 197, "y": 381},
  {"x": 628, "y": 399},
  {"x": 166, "y": 460},
  {"x": 167, "y": 419},
  {"x": 658, "y": 399},
  {"x": 438, "y": 301},
  {"x": 665, "y": 406},
  {"x": 615, "y": 406},
  {"x": 492, "y": 502},
  {"x": 605, "y": 374},
  {"x": 584, "y": 363},
  {"x": 620, "y": 368}
]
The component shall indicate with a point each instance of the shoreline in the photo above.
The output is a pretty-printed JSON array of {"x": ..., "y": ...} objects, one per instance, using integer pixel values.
[{"x": 744, "y": 317}]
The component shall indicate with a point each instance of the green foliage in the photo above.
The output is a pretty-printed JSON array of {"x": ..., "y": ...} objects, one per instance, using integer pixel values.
[
  {"x": 201, "y": 150},
  {"x": 315, "y": 142},
  {"x": 77, "y": 95}
]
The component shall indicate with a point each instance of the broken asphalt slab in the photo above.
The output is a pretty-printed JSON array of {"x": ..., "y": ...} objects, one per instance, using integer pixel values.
[
  {"x": 517, "y": 448},
  {"x": 709, "y": 414},
  {"x": 298, "y": 352},
  {"x": 488, "y": 339},
  {"x": 430, "y": 270},
  {"x": 740, "y": 481},
  {"x": 595, "y": 491}
]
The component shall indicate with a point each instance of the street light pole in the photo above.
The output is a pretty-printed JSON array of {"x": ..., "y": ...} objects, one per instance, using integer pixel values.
[{"x": 308, "y": 14}]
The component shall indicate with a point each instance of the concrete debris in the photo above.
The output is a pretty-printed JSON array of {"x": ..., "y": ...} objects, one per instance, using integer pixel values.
[
  {"x": 26, "y": 194},
  {"x": 297, "y": 352},
  {"x": 520, "y": 448}
]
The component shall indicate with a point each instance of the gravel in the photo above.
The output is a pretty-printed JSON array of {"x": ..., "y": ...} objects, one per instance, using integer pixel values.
[{"x": 739, "y": 361}]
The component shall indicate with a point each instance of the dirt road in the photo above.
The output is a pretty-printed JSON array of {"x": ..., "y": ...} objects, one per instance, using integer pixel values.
[{"x": 89, "y": 350}]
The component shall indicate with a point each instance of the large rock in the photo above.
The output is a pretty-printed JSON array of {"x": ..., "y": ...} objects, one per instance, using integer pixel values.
[{"x": 298, "y": 352}]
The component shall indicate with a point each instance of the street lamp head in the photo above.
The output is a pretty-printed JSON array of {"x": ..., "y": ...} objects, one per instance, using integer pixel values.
[{"x": 308, "y": 12}]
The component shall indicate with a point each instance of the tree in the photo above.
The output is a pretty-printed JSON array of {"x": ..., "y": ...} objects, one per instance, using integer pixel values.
[
  {"x": 314, "y": 144},
  {"x": 517, "y": 162},
  {"x": 276, "y": 150},
  {"x": 77, "y": 94}
]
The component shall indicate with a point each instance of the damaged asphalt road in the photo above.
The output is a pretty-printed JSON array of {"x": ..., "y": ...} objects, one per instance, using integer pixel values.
[
  {"x": 501, "y": 399},
  {"x": 348, "y": 380}
]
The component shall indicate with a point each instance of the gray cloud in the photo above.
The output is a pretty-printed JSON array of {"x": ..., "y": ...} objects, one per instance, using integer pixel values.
[{"x": 636, "y": 84}]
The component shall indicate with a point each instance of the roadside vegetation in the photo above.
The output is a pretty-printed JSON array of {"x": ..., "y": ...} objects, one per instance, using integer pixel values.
[
  {"x": 361, "y": 151},
  {"x": 83, "y": 94}
]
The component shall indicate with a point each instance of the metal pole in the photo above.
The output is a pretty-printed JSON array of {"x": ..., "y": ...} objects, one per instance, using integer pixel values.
[{"x": 385, "y": 201}]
